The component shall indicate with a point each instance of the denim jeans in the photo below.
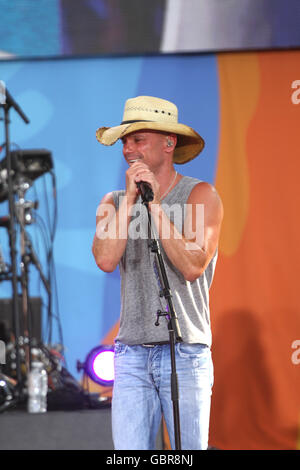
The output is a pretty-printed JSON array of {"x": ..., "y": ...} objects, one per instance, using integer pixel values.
[{"x": 142, "y": 393}]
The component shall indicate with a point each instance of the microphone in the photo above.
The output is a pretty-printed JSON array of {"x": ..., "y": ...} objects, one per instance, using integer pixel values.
[
  {"x": 7, "y": 99},
  {"x": 146, "y": 191}
]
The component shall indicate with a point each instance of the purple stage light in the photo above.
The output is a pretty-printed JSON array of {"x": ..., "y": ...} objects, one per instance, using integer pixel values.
[
  {"x": 99, "y": 365},
  {"x": 103, "y": 365}
]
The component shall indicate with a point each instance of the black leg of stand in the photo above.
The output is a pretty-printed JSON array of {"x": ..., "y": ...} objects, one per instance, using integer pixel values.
[
  {"x": 12, "y": 244},
  {"x": 174, "y": 331},
  {"x": 175, "y": 392}
]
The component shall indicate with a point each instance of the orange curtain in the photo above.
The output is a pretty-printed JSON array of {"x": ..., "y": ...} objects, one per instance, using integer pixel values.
[{"x": 255, "y": 297}]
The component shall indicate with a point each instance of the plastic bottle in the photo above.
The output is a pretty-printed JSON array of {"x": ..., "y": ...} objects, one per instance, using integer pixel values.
[{"x": 37, "y": 388}]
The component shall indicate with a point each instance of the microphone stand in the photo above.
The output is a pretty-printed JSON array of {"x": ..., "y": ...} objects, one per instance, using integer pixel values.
[
  {"x": 173, "y": 326},
  {"x": 20, "y": 214},
  {"x": 7, "y": 104},
  {"x": 28, "y": 256}
]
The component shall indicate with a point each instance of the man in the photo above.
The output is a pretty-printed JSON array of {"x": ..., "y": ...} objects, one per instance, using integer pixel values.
[{"x": 153, "y": 141}]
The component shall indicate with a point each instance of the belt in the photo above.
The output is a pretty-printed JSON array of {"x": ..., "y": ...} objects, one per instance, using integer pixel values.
[{"x": 152, "y": 345}]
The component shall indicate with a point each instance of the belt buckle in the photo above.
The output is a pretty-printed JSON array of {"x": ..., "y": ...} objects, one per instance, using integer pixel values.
[{"x": 148, "y": 345}]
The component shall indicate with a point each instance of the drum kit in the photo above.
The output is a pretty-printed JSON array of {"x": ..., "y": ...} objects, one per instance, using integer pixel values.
[{"x": 18, "y": 171}]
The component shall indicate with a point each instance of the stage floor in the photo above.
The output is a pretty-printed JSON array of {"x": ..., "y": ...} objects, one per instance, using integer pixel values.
[{"x": 56, "y": 430}]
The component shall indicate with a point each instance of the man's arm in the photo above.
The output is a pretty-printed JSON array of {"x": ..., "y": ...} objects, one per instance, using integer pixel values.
[
  {"x": 111, "y": 232},
  {"x": 111, "y": 235},
  {"x": 192, "y": 251}
]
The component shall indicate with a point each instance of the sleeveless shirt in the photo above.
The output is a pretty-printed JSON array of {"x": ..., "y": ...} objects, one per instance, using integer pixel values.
[{"x": 141, "y": 286}]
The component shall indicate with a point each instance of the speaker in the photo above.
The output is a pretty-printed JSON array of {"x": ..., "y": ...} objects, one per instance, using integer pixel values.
[{"x": 7, "y": 320}]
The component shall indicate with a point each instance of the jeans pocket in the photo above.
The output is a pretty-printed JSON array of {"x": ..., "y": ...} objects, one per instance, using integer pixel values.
[
  {"x": 196, "y": 358},
  {"x": 191, "y": 351},
  {"x": 120, "y": 349}
]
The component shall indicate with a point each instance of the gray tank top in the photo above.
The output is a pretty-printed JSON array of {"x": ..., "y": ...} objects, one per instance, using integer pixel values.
[{"x": 140, "y": 283}]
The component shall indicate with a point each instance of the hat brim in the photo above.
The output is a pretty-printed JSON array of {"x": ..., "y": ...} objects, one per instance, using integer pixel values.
[{"x": 189, "y": 142}]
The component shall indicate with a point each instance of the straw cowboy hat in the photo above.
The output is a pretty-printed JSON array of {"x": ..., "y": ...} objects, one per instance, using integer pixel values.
[{"x": 147, "y": 112}]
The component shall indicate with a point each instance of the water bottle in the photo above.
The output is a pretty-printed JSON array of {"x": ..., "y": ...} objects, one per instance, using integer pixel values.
[{"x": 37, "y": 388}]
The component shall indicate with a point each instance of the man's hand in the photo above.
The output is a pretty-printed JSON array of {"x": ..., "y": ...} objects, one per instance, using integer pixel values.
[{"x": 139, "y": 171}]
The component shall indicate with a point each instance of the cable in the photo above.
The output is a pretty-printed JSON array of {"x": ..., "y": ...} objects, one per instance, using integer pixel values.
[{"x": 47, "y": 232}]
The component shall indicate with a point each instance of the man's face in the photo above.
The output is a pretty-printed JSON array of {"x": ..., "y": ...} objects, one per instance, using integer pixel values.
[{"x": 146, "y": 146}]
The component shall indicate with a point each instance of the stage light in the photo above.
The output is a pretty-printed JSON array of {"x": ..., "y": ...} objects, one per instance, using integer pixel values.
[{"x": 99, "y": 365}]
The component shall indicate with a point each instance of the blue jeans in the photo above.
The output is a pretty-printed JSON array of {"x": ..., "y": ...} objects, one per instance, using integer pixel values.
[{"x": 142, "y": 393}]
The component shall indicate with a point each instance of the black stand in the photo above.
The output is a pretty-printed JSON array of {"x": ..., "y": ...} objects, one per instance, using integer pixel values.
[
  {"x": 173, "y": 326},
  {"x": 28, "y": 256},
  {"x": 9, "y": 102}
]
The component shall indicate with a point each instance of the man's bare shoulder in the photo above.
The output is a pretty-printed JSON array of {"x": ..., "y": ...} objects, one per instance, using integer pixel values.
[
  {"x": 205, "y": 192},
  {"x": 108, "y": 198}
]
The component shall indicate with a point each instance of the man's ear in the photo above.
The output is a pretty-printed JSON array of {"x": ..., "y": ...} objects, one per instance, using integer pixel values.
[{"x": 171, "y": 141}]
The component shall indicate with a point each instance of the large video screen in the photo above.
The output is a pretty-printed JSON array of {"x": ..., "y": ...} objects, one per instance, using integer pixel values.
[{"x": 91, "y": 27}]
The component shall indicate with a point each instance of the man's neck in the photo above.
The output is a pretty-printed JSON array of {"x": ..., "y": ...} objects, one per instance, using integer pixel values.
[{"x": 166, "y": 178}]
